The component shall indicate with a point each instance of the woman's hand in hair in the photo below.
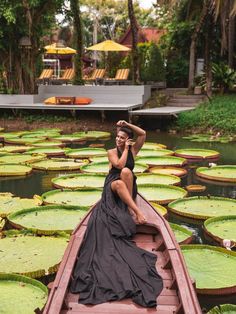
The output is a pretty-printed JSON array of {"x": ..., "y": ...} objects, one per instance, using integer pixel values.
[
  {"x": 122, "y": 123},
  {"x": 129, "y": 142}
]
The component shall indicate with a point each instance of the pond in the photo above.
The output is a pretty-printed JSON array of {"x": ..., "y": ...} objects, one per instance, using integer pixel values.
[{"x": 40, "y": 182}]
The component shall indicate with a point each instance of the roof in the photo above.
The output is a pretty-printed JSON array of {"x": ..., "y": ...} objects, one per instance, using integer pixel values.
[{"x": 145, "y": 34}]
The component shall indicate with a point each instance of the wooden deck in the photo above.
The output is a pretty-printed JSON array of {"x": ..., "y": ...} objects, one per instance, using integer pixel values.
[
  {"x": 178, "y": 295},
  {"x": 161, "y": 111}
]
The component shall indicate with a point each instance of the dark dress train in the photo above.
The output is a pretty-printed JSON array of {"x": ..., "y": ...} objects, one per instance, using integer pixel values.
[{"x": 110, "y": 265}]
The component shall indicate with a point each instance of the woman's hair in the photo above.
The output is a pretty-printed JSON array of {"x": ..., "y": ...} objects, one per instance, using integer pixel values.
[{"x": 127, "y": 130}]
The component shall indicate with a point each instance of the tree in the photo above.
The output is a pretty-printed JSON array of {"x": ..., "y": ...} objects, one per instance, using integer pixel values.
[
  {"x": 78, "y": 41},
  {"x": 134, "y": 32}
]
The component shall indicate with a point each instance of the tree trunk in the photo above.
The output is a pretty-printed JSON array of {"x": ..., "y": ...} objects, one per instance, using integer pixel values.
[
  {"x": 208, "y": 41},
  {"x": 134, "y": 53},
  {"x": 78, "y": 41},
  {"x": 194, "y": 38},
  {"x": 231, "y": 35}
]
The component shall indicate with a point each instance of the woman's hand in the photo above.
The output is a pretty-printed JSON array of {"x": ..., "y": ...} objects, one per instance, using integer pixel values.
[
  {"x": 122, "y": 123},
  {"x": 129, "y": 143}
]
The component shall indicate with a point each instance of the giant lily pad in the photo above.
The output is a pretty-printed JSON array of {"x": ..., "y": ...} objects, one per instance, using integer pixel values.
[
  {"x": 86, "y": 152},
  {"x": 154, "y": 152},
  {"x": 222, "y": 227},
  {"x": 182, "y": 234},
  {"x": 94, "y": 135},
  {"x": 12, "y": 204},
  {"x": 49, "y": 144},
  {"x": 30, "y": 255},
  {"x": 15, "y": 149},
  {"x": 21, "y": 158},
  {"x": 197, "y": 153},
  {"x": 213, "y": 268},
  {"x": 17, "y": 140},
  {"x": 150, "y": 145},
  {"x": 225, "y": 173},
  {"x": 67, "y": 138},
  {"x": 202, "y": 207},
  {"x": 20, "y": 294},
  {"x": 14, "y": 170},
  {"x": 99, "y": 158},
  {"x": 82, "y": 198},
  {"x": 160, "y": 193},
  {"x": 162, "y": 160},
  {"x": 46, "y": 130},
  {"x": 78, "y": 181},
  {"x": 48, "y": 219},
  {"x": 223, "y": 309},
  {"x": 160, "y": 209},
  {"x": 152, "y": 178},
  {"x": 49, "y": 151},
  {"x": 59, "y": 164},
  {"x": 103, "y": 167},
  {"x": 45, "y": 134},
  {"x": 176, "y": 171}
]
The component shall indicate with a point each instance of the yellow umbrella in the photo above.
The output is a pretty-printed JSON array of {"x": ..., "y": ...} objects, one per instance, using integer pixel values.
[
  {"x": 61, "y": 50},
  {"x": 108, "y": 45}
]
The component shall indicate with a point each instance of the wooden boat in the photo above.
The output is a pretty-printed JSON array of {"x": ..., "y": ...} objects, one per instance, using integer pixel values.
[{"x": 178, "y": 295}]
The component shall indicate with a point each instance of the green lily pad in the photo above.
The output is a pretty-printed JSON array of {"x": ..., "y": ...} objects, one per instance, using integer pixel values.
[
  {"x": 225, "y": 173},
  {"x": 182, "y": 234},
  {"x": 93, "y": 135},
  {"x": 21, "y": 158},
  {"x": 99, "y": 159},
  {"x": 202, "y": 207},
  {"x": 14, "y": 170},
  {"x": 197, "y": 153},
  {"x": 45, "y": 134},
  {"x": 48, "y": 144},
  {"x": 49, "y": 151},
  {"x": 12, "y": 204},
  {"x": 86, "y": 152},
  {"x": 20, "y": 294},
  {"x": 160, "y": 209},
  {"x": 68, "y": 138},
  {"x": 168, "y": 170},
  {"x": 7, "y": 135},
  {"x": 154, "y": 152},
  {"x": 82, "y": 198},
  {"x": 78, "y": 181},
  {"x": 162, "y": 160},
  {"x": 59, "y": 164},
  {"x": 150, "y": 145},
  {"x": 46, "y": 130},
  {"x": 15, "y": 149},
  {"x": 152, "y": 178},
  {"x": 48, "y": 220},
  {"x": 103, "y": 167},
  {"x": 160, "y": 193},
  {"x": 30, "y": 255},
  {"x": 222, "y": 227},
  {"x": 21, "y": 140},
  {"x": 213, "y": 268},
  {"x": 223, "y": 309}
]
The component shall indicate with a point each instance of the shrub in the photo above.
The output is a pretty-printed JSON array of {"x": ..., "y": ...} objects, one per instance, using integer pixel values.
[{"x": 177, "y": 72}]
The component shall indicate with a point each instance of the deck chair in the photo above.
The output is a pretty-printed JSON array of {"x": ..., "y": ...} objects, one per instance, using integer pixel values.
[
  {"x": 45, "y": 76},
  {"x": 120, "y": 77},
  {"x": 97, "y": 74},
  {"x": 66, "y": 78}
]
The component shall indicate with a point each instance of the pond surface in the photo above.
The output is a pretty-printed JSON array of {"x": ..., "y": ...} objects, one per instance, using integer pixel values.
[{"x": 40, "y": 181}]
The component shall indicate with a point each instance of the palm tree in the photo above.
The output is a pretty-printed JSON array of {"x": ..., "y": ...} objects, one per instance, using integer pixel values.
[
  {"x": 134, "y": 32},
  {"x": 78, "y": 41}
]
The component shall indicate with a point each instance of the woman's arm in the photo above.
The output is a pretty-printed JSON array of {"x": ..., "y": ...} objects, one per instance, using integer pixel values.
[
  {"x": 141, "y": 135},
  {"x": 115, "y": 160}
]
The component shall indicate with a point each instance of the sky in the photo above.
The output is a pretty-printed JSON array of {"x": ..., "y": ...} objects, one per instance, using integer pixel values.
[{"x": 146, "y": 3}]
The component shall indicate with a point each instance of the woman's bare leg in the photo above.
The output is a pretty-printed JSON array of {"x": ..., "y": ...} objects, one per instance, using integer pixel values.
[
  {"x": 121, "y": 189},
  {"x": 126, "y": 175}
]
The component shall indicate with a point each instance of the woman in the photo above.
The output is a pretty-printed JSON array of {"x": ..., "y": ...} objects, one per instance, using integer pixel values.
[{"x": 110, "y": 266}]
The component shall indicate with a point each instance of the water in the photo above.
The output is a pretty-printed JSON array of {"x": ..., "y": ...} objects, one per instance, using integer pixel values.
[{"x": 40, "y": 182}]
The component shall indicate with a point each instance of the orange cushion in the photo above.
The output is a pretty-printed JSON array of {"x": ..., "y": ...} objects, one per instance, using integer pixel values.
[
  {"x": 50, "y": 101},
  {"x": 82, "y": 100}
]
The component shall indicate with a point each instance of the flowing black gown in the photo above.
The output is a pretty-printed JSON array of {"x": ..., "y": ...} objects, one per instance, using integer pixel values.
[{"x": 110, "y": 265}]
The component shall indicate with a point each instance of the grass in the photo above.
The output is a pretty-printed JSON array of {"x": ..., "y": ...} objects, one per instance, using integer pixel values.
[{"x": 219, "y": 115}]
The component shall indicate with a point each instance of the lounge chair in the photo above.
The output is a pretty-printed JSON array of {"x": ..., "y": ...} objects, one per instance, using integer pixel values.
[
  {"x": 45, "y": 76},
  {"x": 97, "y": 74},
  {"x": 66, "y": 78},
  {"x": 120, "y": 77}
]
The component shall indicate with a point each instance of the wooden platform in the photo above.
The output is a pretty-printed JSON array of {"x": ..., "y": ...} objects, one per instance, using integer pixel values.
[{"x": 161, "y": 111}]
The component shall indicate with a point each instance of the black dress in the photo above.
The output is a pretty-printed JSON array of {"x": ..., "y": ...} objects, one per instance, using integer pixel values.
[{"x": 110, "y": 265}]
